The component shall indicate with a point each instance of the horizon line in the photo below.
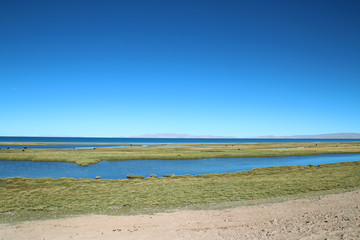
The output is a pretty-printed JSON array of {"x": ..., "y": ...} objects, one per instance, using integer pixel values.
[{"x": 314, "y": 136}]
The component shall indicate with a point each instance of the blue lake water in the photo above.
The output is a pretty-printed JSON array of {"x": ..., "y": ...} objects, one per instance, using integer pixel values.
[
  {"x": 161, "y": 140},
  {"x": 119, "y": 169},
  {"x": 55, "y": 146},
  {"x": 80, "y": 143}
]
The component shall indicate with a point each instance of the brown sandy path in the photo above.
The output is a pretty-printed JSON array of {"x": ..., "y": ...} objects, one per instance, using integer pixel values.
[{"x": 335, "y": 216}]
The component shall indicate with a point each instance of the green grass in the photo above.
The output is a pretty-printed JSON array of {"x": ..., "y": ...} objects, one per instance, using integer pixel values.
[
  {"x": 130, "y": 176},
  {"x": 27, "y": 199},
  {"x": 85, "y": 157}
]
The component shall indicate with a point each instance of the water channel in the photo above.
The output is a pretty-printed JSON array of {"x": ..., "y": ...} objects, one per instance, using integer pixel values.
[{"x": 120, "y": 169}]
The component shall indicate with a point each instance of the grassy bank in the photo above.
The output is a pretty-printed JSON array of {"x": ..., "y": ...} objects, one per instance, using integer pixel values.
[
  {"x": 177, "y": 151},
  {"x": 26, "y": 199}
]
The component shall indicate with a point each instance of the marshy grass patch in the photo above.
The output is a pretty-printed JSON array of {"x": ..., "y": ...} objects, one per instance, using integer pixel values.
[
  {"x": 85, "y": 157},
  {"x": 27, "y": 199},
  {"x": 131, "y": 176}
]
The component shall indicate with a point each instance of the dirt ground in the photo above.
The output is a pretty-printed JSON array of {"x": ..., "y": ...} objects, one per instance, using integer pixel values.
[{"x": 334, "y": 216}]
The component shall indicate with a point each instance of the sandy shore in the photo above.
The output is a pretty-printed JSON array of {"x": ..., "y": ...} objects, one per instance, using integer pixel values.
[{"x": 335, "y": 216}]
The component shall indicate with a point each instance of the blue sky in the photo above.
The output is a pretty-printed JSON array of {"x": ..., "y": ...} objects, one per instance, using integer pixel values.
[{"x": 223, "y": 68}]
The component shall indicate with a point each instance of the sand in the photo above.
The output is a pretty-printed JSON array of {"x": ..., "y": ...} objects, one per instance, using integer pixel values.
[{"x": 334, "y": 216}]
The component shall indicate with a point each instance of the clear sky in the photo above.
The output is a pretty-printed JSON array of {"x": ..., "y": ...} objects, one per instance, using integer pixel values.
[{"x": 114, "y": 68}]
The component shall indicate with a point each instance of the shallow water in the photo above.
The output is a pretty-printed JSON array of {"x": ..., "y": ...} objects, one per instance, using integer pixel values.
[
  {"x": 290, "y": 147},
  {"x": 119, "y": 169},
  {"x": 217, "y": 145},
  {"x": 55, "y": 146}
]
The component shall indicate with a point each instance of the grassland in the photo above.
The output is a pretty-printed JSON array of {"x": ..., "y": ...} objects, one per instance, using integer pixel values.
[
  {"x": 26, "y": 199},
  {"x": 86, "y": 157}
]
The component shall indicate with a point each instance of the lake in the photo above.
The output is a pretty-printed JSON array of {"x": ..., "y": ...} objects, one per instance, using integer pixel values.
[
  {"x": 22, "y": 146},
  {"x": 161, "y": 140},
  {"x": 120, "y": 169},
  {"x": 81, "y": 143}
]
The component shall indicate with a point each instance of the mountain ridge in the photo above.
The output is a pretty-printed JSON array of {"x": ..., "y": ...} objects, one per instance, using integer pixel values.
[
  {"x": 320, "y": 136},
  {"x": 315, "y": 136},
  {"x": 176, "y": 135}
]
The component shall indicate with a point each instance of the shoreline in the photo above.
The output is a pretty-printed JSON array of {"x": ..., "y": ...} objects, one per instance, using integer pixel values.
[
  {"x": 24, "y": 199},
  {"x": 320, "y": 216}
]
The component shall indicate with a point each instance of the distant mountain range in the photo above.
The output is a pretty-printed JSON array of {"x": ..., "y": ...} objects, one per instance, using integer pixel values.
[
  {"x": 175, "y": 135},
  {"x": 319, "y": 136}
]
